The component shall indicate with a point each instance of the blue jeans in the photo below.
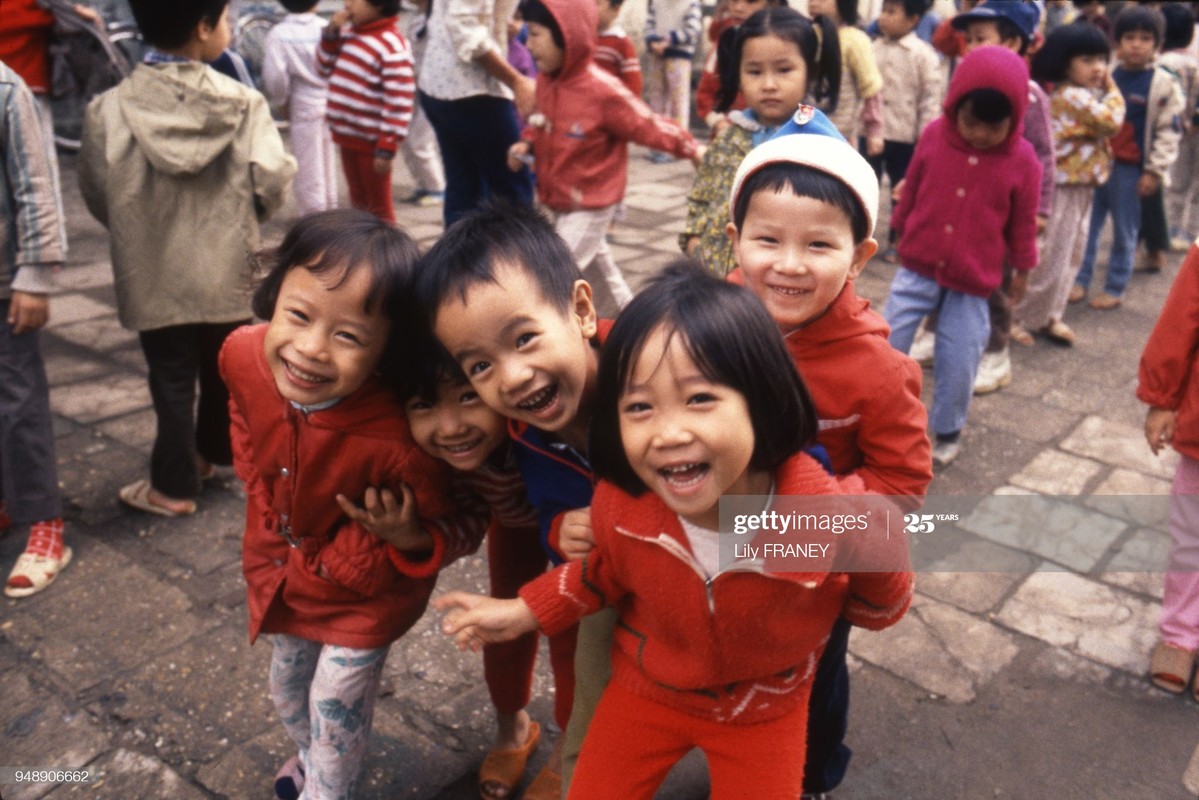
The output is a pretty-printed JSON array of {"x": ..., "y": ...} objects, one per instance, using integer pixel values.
[
  {"x": 1119, "y": 196},
  {"x": 963, "y": 328},
  {"x": 474, "y": 135}
]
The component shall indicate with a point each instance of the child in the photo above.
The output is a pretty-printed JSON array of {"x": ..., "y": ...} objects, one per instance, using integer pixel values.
[
  {"x": 614, "y": 51},
  {"x": 291, "y": 82},
  {"x": 333, "y": 583},
  {"x": 1094, "y": 12},
  {"x": 419, "y": 149},
  {"x": 1168, "y": 385},
  {"x": 580, "y": 141},
  {"x": 797, "y": 188},
  {"x": 721, "y": 43},
  {"x": 505, "y": 297},
  {"x": 1143, "y": 150},
  {"x": 372, "y": 88},
  {"x": 693, "y": 417},
  {"x": 969, "y": 202},
  {"x": 35, "y": 245},
  {"x": 1087, "y": 110},
  {"x": 181, "y": 190},
  {"x": 912, "y": 89},
  {"x": 1180, "y": 32},
  {"x": 672, "y": 30},
  {"x": 777, "y": 59},
  {"x": 860, "y": 104},
  {"x": 450, "y": 422}
]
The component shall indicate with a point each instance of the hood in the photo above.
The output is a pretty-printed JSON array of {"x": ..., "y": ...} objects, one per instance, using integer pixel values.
[
  {"x": 578, "y": 21},
  {"x": 990, "y": 67},
  {"x": 180, "y": 114},
  {"x": 847, "y": 317}
]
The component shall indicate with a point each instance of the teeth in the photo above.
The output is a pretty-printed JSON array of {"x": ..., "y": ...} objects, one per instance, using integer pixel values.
[
  {"x": 537, "y": 401},
  {"x": 462, "y": 448},
  {"x": 788, "y": 291},
  {"x": 305, "y": 376},
  {"x": 684, "y": 475}
]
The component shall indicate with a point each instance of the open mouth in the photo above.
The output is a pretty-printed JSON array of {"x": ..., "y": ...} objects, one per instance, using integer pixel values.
[
  {"x": 302, "y": 376},
  {"x": 683, "y": 476},
  {"x": 789, "y": 291},
  {"x": 463, "y": 448},
  {"x": 540, "y": 400}
]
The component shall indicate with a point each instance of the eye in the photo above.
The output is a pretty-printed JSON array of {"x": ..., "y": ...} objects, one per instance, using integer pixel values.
[
  {"x": 635, "y": 407},
  {"x": 524, "y": 339},
  {"x": 478, "y": 368},
  {"x": 346, "y": 336},
  {"x": 419, "y": 405},
  {"x": 297, "y": 315},
  {"x": 468, "y": 397},
  {"x": 701, "y": 398}
]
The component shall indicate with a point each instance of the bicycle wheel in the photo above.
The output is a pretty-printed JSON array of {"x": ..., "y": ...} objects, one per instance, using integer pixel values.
[
  {"x": 249, "y": 39},
  {"x": 68, "y": 107}
]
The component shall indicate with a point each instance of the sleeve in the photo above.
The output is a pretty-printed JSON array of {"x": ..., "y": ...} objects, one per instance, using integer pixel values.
[
  {"x": 275, "y": 81},
  {"x": 467, "y": 23},
  {"x": 258, "y": 498},
  {"x": 327, "y": 52},
  {"x": 630, "y": 69},
  {"x": 1021, "y": 231},
  {"x": 860, "y": 63},
  {"x": 651, "y": 24},
  {"x": 912, "y": 180},
  {"x": 878, "y": 600},
  {"x": 399, "y": 93},
  {"x": 706, "y": 91},
  {"x": 271, "y": 167},
  {"x": 1037, "y": 131},
  {"x": 872, "y": 116},
  {"x": 628, "y": 118},
  {"x": 93, "y": 161},
  {"x": 893, "y": 438},
  {"x": 688, "y": 35},
  {"x": 1087, "y": 115},
  {"x": 1165, "y": 369},
  {"x": 704, "y": 202},
  {"x": 37, "y": 203},
  {"x": 931, "y": 89},
  {"x": 1167, "y": 126},
  {"x": 947, "y": 41}
]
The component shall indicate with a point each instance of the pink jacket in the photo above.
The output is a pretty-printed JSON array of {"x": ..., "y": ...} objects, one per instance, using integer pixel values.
[
  {"x": 585, "y": 119},
  {"x": 963, "y": 211}
]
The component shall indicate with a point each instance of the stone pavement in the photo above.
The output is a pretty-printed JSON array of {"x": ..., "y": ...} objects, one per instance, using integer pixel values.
[{"x": 1021, "y": 681}]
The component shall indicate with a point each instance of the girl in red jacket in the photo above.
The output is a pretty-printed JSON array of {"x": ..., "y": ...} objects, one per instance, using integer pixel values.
[
  {"x": 314, "y": 432},
  {"x": 1169, "y": 383},
  {"x": 713, "y": 649}
]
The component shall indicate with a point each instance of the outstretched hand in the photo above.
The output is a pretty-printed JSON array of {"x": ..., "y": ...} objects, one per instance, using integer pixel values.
[
  {"x": 475, "y": 620},
  {"x": 392, "y": 519},
  {"x": 1159, "y": 428}
]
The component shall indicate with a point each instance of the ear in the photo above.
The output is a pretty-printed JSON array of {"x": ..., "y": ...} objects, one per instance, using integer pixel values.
[
  {"x": 864, "y": 251},
  {"x": 583, "y": 308},
  {"x": 734, "y": 235}
]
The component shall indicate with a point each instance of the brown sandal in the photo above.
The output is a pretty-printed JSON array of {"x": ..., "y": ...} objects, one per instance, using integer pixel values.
[
  {"x": 502, "y": 770},
  {"x": 1170, "y": 667}
]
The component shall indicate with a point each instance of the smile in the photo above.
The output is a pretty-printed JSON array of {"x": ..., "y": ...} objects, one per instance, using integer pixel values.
[
  {"x": 789, "y": 291},
  {"x": 459, "y": 449},
  {"x": 539, "y": 400},
  {"x": 683, "y": 476},
  {"x": 306, "y": 377}
]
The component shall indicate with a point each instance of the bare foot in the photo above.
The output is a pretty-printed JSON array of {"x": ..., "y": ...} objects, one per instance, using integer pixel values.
[{"x": 181, "y": 507}]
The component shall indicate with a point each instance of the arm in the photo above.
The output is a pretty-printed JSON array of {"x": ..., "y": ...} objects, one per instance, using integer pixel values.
[
  {"x": 911, "y": 187},
  {"x": 688, "y": 35},
  {"x": 275, "y": 83},
  {"x": 896, "y": 455},
  {"x": 1089, "y": 115},
  {"x": 1021, "y": 229},
  {"x": 1167, "y": 129},
  {"x": 628, "y": 118},
  {"x": 330, "y": 45},
  {"x": 1166, "y": 364},
  {"x": 931, "y": 90},
  {"x": 1037, "y": 131},
  {"x": 271, "y": 167},
  {"x": 473, "y": 44},
  {"x": 399, "y": 90},
  {"x": 706, "y": 202}
]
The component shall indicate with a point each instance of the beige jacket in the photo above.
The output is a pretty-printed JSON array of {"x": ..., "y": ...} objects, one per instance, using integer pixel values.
[
  {"x": 913, "y": 86},
  {"x": 181, "y": 163}
]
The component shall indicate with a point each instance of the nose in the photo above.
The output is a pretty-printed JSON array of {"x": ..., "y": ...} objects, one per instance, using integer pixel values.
[
  {"x": 790, "y": 261},
  {"x": 449, "y": 425},
  {"x": 671, "y": 433},
  {"x": 310, "y": 343},
  {"x": 515, "y": 375}
]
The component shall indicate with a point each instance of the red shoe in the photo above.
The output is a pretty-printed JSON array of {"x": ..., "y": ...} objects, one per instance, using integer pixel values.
[{"x": 45, "y": 556}]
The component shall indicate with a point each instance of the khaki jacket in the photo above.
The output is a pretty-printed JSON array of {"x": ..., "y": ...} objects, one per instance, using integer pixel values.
[
  {"x": 181, "y": 163},
  {"x": 914, "y": 85}
]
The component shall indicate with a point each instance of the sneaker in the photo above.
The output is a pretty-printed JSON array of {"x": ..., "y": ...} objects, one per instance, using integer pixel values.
[
  {"x": 944, "y": 453},
  {"x": 45, "y": 556},
  {"x": 425, "y": 198},
  {"x": 1179, "y": 243},
  {"x": 1059, "y": 332},
  {"x": 1105, "y": 302},
  {"x": 994, "y": 372},
  {"x": 923, "y": 347},
  {"x": 1077, "y": 293}
]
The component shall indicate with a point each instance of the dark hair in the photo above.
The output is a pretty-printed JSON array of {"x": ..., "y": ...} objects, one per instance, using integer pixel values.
[
  {"x": 803, "y": 181},
  {"x": 616, "y": 3},
  {"x": 536, "y": 12},
  {"x": 733, "y": 341},
  {"x": 422, "y": 364},
  {"x": 1180, "y": 26},
  {"x": 817, "y": 41},
  {"x": 1139, "y": 18},
  {"x": 1051, "y": 62},
  {"x": 986, "y": 104},
  {"x": 388, "y": 8},
  {"x": 912, "y": 8},
  {"x": 1005, "y": 28},
  {"x": 298, "y": 6},
  {"x": 497, "y": 233},
  {"x": 847, "y": 10},
  {"x": 342, "y": 240},
  {"x": 170, "y": 25}
]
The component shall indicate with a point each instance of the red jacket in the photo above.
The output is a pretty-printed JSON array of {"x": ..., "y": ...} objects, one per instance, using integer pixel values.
[
  {"x": 309, "y": 571},
  {"x": 963, "y": 211},
  {"x": 867, "y": 396},
  {"x": 741, "y": 647},
  {"x": 24, "y": 38},
  {"x": 709, "y": 80},
  {"x": 1168, "y": 378},
  {"x": 585, "y": 119},
  {"x": 615, "y": 54}
]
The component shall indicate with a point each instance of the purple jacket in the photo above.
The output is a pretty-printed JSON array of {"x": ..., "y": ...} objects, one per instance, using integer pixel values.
[{"x": 965, "y": 211}]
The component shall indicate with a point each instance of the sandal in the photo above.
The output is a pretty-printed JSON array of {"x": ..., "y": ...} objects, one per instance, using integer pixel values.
[
  {"x": 137, "y": 495},
  {"x": 502, "y": 770},
  {"x": 1021, "y": 336},
  {"x": 289, "y": 780},
  {"x": 1059, "y": 332},
  {"x": 1105, "y": 302},
  {"x": 546, "y": 786},
  {"x": 1170, "y": 667},
  {"x": 37, "y": 573}
]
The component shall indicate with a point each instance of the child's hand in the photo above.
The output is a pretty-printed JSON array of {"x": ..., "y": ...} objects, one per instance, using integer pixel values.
[
  {"x": 1018, "y": 287},
  {"x": 698, "y": 157},
  {"x": 394, "y": 521},
  {"x": 1148, "y": 184},
  {"x": 1042, "y": 222},
  {"x": 518, "y": 156},
  {"x": 692, "y": 248},
  {"x": 525, "y": 89},
  {"x": 658, "y": 47},
  {"x": 897, "y": 192},
  {"x": 338, "y": 19},
  {"x": 474, "y": 620},
  {"x": 382, "y": 166},
  {"x": 1159, "y": 428},
  {"x": 575, "y": 537},
  {"x": 874, "y": 146},
  {"x": 28, "y": 312}
]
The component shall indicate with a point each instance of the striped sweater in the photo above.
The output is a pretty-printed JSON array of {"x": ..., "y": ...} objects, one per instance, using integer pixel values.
[{"x": 372, "y": 86}]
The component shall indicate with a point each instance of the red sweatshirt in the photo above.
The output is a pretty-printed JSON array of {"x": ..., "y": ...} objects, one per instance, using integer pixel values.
[{"x": 615, "y": 54}]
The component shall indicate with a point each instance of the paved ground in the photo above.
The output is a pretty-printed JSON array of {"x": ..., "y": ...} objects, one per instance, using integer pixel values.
[{"x": 1023, "y": 680}]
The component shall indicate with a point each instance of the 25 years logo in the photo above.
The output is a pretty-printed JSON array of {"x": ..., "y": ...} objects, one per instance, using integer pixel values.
[{"x": 925, "y": 523}]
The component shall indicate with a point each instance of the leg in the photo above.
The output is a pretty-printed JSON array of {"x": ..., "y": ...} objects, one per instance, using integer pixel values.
[
  {"x": 420, "y": 153},
  {"x": 341, "y": 705},
  {"x": 999, "y": 311},
  {"x": 593, "y": 672},
  {"x": 897, "y": 156},
  {"x": 353, "y": 168},
  {"x": 1154, "y": 232},
  {"x": 1181, "y": 193},
  {"x": 172, "y": 354},
  {"x": 463, "y": 186},
  {"x": 369, "y": 190},
  {"x": 828, "y": 715},
  {"x": 1179, "y": 622},
  {"x": 655, "y": 85},
  {"x": 763, "y": 760},
  {"x": 631, "y": 747},
  {"x": 1126, "y": 225},
  {"x": 1049, "y": 284},
  {"x": 212, "y": 410},
  {"x": 293, "y": 663},
  {"x": 911, "y": 298},
  {"x": 678, "y": 90},
  {"x": 962, "y": 332},
  {"x": 495, "y": 127},
  {"x": 1099, "y": 206},
  {"x": 584, "y": 232}
]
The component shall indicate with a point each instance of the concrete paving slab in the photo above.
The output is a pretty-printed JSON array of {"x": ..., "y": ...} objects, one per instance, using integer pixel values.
[
  {"x": 104, "y": 334},
  {"x": 1133, "y": 496},
  {"x": 970, "y": 590},
  {"x": 135, "y": 429},
  {"x": 1120, "y": 445},
  {"x": 71, "y": 307},
  {"x": 94, "y": 400},
  {"x": 1054, "y": 472},
  {"x": 124, "y": 774},
  {"x": 1139, "y": 563},
  {"x": 1084, "y": 616},
  {"x": 1055, "y": 528}
]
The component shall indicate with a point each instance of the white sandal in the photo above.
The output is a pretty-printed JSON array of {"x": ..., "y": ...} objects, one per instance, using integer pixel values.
[{"x": 40, "y": 571}]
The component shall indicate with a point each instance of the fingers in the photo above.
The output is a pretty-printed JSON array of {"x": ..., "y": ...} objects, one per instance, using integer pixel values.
[{"x": 352, "y": 511}]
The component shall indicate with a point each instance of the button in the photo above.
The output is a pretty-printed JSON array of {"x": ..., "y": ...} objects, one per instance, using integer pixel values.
[
  {"x": 284, "y": 517},
  {"x": 972, "y": 161},
  {"x": 284, "y": 472},
  {"x": 961, "y": 192},
  {"x": 940, "y": 263},
  {"x": 278, "y": 562},
  {"x": 949, "y": 229}
]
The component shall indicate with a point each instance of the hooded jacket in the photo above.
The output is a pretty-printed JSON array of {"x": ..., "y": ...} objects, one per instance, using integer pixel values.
[
  {"x": 964, "y": 211},
  {"x": 181, "y": 163},
  {"x": 585, "y": 119}
]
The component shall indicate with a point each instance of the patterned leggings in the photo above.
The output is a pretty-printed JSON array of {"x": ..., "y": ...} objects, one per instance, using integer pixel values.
[{"x": 325, "y": 696}]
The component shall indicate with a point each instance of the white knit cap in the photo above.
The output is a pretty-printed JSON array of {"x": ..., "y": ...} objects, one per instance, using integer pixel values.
[{"x": 809, "y": 139}]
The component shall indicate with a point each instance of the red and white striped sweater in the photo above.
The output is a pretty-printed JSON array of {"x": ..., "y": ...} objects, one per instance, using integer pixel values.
[{"x": 372, "y": 85}]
